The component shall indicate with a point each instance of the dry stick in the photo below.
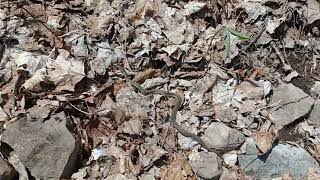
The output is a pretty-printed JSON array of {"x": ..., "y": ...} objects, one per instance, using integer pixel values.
[
  {"x": 282, "y": 59},
  {"x": 278, "y": 52},
  {"x": 87, "y": 113}
]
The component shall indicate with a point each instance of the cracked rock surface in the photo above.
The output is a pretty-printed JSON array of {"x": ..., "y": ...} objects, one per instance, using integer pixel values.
[
  {"x": 282, "y": 159},
  {"x": 290, "y": 103}
]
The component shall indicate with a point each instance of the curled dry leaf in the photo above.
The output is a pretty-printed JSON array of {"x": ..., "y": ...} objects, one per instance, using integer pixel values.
[
  {"x": 264, "y": 140},
  {"x": 33, "y": 84}
]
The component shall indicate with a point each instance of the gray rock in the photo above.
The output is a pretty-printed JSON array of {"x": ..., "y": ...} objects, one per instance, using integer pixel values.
[
  {"x": 315, "y": 89},
  {"x": 314, "y": 117},
  {"x": 218, "y": 135},
  {"x": 7, "y": 171},
  {"x": 47, "y": 148},
  {"x": 291, "y": 103},
  {"x": 282, "y": 159},
  {"x": 207, "y": 165}
]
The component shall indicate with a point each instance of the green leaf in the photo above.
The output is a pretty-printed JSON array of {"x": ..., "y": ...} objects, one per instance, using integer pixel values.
[{"x": 239, "y": 35}]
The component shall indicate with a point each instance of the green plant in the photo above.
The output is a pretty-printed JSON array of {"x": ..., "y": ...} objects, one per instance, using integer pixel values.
[{"x": 229, "y": 31}]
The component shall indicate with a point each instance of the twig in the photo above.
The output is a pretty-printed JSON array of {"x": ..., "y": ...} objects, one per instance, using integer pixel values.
[
  {"x": 282, "y": 59},
  {"x": 87, "y": 113}
]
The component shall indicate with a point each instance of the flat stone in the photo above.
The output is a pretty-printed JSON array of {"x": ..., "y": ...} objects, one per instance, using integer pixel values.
[
  {"x": 314, "y": 117},
  {"x": 290, "y": 103},
  {"x": 46, "y": 148},
  {"x": 7, "y": 171},
  {"x": 282, "y": 159},
  {"x": 207, "y": 165},
  {"x": 218, "y": 135}
]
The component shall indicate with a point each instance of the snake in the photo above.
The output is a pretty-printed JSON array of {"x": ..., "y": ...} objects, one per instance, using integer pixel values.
[{"x": 174, "y": 112}]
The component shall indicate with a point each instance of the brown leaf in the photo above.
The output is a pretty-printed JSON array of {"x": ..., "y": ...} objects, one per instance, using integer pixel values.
[
  {"x": 66, "y": 73},
  {"x": 179, "y": 169},
  {"x": 98, "y": 133},
  {"x": 109, "y": 109},
  {"x": 147, "y": 73},
  {"x": 264, "y": 140},
  {"x": 145, "y": 7}
]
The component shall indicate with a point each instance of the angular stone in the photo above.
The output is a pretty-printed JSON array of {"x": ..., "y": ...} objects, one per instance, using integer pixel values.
[
  {"x": 218, "y": 135},
  {"x": 46, "y": 148},
  {"x": 290, "y": 103},
  {"x": 282, "y": 159},
  {"x": 208, "y": 165}
]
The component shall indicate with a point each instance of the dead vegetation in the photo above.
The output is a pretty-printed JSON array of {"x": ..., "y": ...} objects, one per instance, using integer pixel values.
[{"x": 247, "y": 73}]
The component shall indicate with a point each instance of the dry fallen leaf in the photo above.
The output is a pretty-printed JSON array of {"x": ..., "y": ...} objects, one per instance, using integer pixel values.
[
  {"x": 151, "y": 153},
  {"x": 148, "y": 73},
  {"x": 3, "y": 115},
  {"x": 179, "y": 169},
  {"x": 33, "y": 84},
  {"x": 66, "y": 73},
  {"x": 134, "y": 127},
  {"x": 80, "y": 45},
  {"x": 145, "y": 7},
  {"x": 109, "y": 110},
  {"x": 264, "y": 140}
]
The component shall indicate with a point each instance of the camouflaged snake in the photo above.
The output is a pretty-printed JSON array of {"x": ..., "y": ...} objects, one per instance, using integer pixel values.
[{"x": 175, "y": 109}]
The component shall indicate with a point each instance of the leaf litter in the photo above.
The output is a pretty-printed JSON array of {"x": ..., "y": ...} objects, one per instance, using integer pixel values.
[{"x": 247, "y": 72}]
